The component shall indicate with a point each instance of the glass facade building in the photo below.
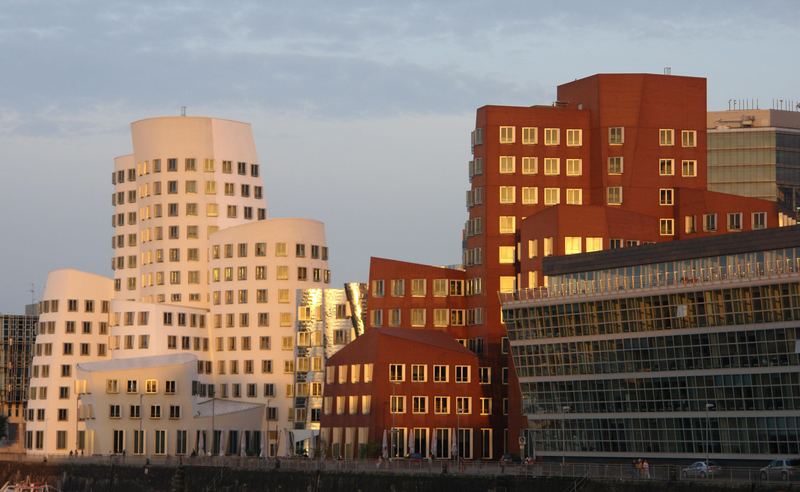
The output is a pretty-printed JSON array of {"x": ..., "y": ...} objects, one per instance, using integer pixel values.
[
  {"x": 755, "y": 153},
  {"x": 673, "y": 350}
]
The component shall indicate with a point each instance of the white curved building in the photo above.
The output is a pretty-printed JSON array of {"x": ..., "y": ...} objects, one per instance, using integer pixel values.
[{"x": 199, "y": 272}]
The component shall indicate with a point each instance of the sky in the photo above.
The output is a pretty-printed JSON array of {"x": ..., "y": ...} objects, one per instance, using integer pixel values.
[{"x": 361, "y": 111}]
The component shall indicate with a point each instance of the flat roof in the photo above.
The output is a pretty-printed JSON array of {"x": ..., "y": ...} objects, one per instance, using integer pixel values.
[{"x": 685, "y": 249}]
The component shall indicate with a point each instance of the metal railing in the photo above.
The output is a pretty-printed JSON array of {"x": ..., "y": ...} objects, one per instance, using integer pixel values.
[
  {"x": 779, "y": 269},
  {"x": 577, "y": 471}
]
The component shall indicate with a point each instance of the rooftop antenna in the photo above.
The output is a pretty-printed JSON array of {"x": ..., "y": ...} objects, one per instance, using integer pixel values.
[
  {"x": 33, "y": 294},
  {"x": 667, "y": 70},
  {"x": 183, "y": 110}
]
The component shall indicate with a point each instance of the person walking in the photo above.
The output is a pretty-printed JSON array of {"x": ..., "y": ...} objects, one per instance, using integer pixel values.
[{"x": 646, "y": 469}]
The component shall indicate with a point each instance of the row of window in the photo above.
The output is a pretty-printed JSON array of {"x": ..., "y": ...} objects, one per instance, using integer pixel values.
[
  {"x": 49, "y": 327},
  {"x": 442, "y": 287},
  {"x": 68, "y": 348},
  {"x": 734, "y": 223},
  {"x": 190, "y": 187},
  {"x": 189, "y": 164},
  {"x": 315, "y": 251},
  {"x": 73, "y": 305},
  {"x": 150, "y": 386},
  {"x": 260, "y": 273},
  {"x": 552, "y": 136},
  {"x": 442, "y": 317}
]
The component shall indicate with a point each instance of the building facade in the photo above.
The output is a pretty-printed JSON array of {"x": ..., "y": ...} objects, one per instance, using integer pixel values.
[
  {"x": 400, "y": 391},
  {"x": 755, "y": 153},
  {"x": 678, "y": 350},
  {"x": 19, "y": 335}
]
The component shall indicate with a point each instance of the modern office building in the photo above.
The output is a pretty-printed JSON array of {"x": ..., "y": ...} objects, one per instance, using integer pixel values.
[
  {"x": 400, "y": 391},
  {"x": 201, "y": 278},
  {"x": 16, "y": 352},
  {"x": 617, "y": 161},
  {"x": 685, "y": 349},
  {"x": 756, "y": 153}
]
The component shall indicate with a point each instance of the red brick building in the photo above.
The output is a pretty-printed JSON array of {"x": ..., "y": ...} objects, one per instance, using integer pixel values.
[
  {"x": 416, "y": 387},
  {"x": 618, "y": 160}
]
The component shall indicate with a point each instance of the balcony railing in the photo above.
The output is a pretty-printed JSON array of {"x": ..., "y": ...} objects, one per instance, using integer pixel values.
[{"x": 710, "y": 277}]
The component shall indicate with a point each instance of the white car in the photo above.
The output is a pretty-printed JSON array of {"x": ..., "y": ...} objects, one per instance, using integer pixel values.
[
  {"x": 781, "y": 470},
  {"x": 701, "y": 469}
]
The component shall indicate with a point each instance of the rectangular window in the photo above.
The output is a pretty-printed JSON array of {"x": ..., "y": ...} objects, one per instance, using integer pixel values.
[
  {"x": 690, "y": 222},
  {"x": 616, "y": 135},
  {"x": 666, "y": 136},
  {"x": 508, "y": 224},
  {"x": 377, "y": 288},
  {"x": 398, "y": 288},
  {"x": 507, "y": 254},
  {"x": 507, "y": 164},
  {"x": 418, "y": 287},
  {"x": 666, "y": 167},
  {"x": 574, "y": 167},
  {"x": 614, "y": 195},
  {"x": 735, "y": 221},
  {"x": 666, "y": 196},
  {"x": 552, "y": 166},
  {"x": 530, "y": 165},
  {"x": 574, "y": 196},
  {"x": 440, "y": 374},
  {"x": 463, "y": 374},
  {"x": 441, "y": 405},
  {"x": 507, "y": 134},
  {"x": 689, "y": 169},
  {"x": 530, "y": 135},
  {"x": 552, "y": 136},
  {"x": 666, "y": 227},
  {"x": 572, "y": 245},
  {"x": 710, "y": 222},
  {"x": 574, "y": 137},
  {"x": 530, "y": 195},
  {"x": 759, "y": 220},
  {"x": 615, "y": 165},
  {"x": 508, "y": 194},
  {"x": 440, "y": 287},
  {"x": 689, "y": 138},
  {"x": 419, "y": 373},
  {"x": 397, "y": 373},
  {"x": 419, "y": 404},
  {"x": 418, "y": 317},
  {"x": 552, "y": 196}
]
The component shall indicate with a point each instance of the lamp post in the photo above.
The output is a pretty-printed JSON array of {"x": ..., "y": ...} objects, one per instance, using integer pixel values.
[
  {"x": 565, "y": 409},
  {"x": 393, "y": 446},
  {"x": 709, "y": 406},
  {"x": 141, "y": 422}
]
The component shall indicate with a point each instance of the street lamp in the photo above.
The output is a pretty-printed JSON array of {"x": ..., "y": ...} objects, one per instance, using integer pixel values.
[{"x": 709, "y": 406}]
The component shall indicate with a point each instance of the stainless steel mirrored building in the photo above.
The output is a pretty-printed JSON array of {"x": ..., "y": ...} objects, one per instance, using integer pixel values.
[{"x": 682, "y": 349}]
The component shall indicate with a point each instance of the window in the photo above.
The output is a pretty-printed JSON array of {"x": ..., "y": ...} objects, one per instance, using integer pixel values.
[
  {"x": 114, "y": 411},
  {"x": 377, "y": 288},
  {"x": 441, "y": 405},
  {"x": 735, "y": 221},
  {"x": 419, "y": 404},
  {"x": 530, "y": 165},
  {"x": 552, "y": 136},
  {"x": 689, "y": 169},
  {"x": 462, "y": 374},
  {"x": 574, "y": 196},
  {"x": 552, "y": 166},
  {"x": 666, "y": 227},
  {"x": 552, "y": 196},
  {"x": 133, "y": 386},
  {"x": 666, "y": 136},
  {"x": 419, "y": 373},
  {"x": 398, "y": 288},
  {"x": 530, "y": 195},
  {"x": 530, "y": 135},
  {"x": 710, "y": 222},
  {"x": 547, "y": 246},
  {"x": 507, "y": 164},
  {"x": 690, "y": 222},
  {"x": 689, "y": 138},
  {"x": 614, "y": 195},
  {"x": 507, "y": 134},
  {"x": 616, "y": 135},
  {"x": 759, "y": 220},
  {"x": 418, "y": 317},
  {"x": 440, "y": 287},
  {"x": 394, "y": 317},
  {"x": 398, "y": 404},
  {"x": 615, "y": 165},
  {"x": 151, "y": 386},
  {"x": 572, "y": 245},
  {"x": 666, "y": 167},
  {"x": 665, "y": 196},
  {"x": 508, "y": 194},
  {"x": 440, "y": 374},
  {"x": 594, "y": 244},
  {"x": 418, "y": 287},
  {"x": 508, "y": 224},
  {"x": 574, "y": 167},
  {"x": 463, "y": 405},
  {"x": 506, "y": 254},
  {"x": 574, "y": 137},
  {"x": 397, "y": 373}
]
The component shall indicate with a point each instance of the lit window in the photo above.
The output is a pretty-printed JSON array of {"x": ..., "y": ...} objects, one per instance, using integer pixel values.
[
  {"x": 615, "y": 165},
  {"x": 666, "y": 227},
  {"x": 530, "y": 195},
  {"x": 508, "y": 283},
  {"x": 507, "y": 134},
  {"x": 508, "y": 194},
  {"x": 689, "y": 138},
  {"x": 552, "y": 136},
  {"x": 552, "y": 166},
  {"x": 507, "y": 224},
  {"x": 507, "y": 164},
  {"x": 690, "y": 222},
  {"x": 574, "y": 196},
  {"x": 552, "y": 196},
  {"x": 665, "y": 196},
  {"x": 666, "y": 136},
  {"x": 530, "y": 165},
  {"x": 572, "y": 245},
  {"x": 614, "y": 195},
  {"x": 574, "y": 167},
  {"x": 689, "y": 169},
  {"x": 594, "y": 244},
  {"x": 506, "y": 254},
  {"x": 533, "y": 248},
  {"x": 548, "y": 246},
  {"x": 574, "y": 137},
  {"x": 530, "y": 135},
  {"x": 616, "y": 135}
]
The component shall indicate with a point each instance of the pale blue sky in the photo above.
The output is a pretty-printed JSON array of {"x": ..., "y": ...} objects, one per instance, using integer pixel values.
[{"x": 342, "y": 96}]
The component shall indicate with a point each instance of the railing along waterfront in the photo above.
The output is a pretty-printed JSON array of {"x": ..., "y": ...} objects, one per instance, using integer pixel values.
[
  {"x": 573, "y": 471},
  {"x": 702, "y": 277}
]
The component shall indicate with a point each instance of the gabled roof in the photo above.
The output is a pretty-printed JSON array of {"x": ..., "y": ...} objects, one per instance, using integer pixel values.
[{"x": 377, "y": 340}]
